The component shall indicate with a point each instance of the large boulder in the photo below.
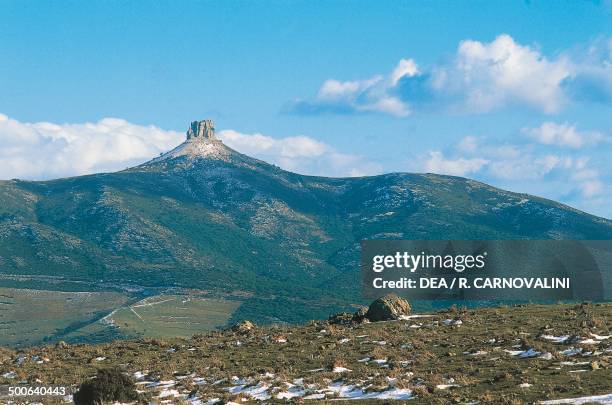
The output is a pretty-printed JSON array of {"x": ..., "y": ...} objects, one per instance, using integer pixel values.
[
  {"x": 387, "y": 308},
  {"x": 243, "y": 327}
]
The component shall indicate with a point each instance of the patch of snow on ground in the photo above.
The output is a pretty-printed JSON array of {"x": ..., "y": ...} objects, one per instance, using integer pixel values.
[
  {"x": 293, "y": 391},
  {"x": 571, "y": 363},
  {"x": 452, "y": 322},
  {"x": 258, "y": 392},
  {"x": 446, "y": 386},
  {"x": 572, "y": 351},
  {"x": 408, "y": 317},
  {"x": 523, "y": 354},
  {"x": 600, "y": 399},
  {"x": 589, "y": 342},
  {"x": 601, "y": 337},
  {"x": 139, "y": 375},
  {"x": 478, "y": 353},
  {"x": 555, "y": 339},
  {"x": 169, "y": 393},
  {"x": 354, "y": 392}
]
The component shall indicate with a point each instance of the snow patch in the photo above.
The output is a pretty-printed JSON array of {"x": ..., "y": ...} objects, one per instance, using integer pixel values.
[
  {"x": 556, "y": 339},
  {"x": 599, "y": 399},
  {"x": 523, "y": 354}
]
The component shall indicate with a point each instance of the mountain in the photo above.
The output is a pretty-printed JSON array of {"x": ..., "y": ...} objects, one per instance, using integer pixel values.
[{"x": 206, "y": 217}]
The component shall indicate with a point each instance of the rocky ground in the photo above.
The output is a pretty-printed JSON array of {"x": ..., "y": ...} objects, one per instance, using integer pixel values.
[{"x": 514, "y": 355}]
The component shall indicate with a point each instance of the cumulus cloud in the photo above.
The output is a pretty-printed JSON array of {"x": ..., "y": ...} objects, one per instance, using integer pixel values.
[
  {"x": 479, "y": 78},
  {"x": 300, "y": 154},
  {"x": 527, "y": 167},
  {"x": 44, "y": 150},
  {"x": 592, "y": 78},
  {"x": 405, "y": 68},
  {"x": 437, "y": 163},
  {"x": 373, "y": 95},
  {"x": 550, "y": 133},
  {"x": 491, "y": 75}
]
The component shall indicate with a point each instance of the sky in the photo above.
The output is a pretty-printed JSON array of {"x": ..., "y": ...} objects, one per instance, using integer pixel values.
[{"x": 517, "y": 94}]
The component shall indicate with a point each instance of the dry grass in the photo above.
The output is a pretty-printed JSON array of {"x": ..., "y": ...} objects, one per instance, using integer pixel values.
[{"x": 418, "y": 359}]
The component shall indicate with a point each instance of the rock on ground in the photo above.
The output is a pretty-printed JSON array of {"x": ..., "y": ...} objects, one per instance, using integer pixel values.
[{"x": 388, "y": 308}]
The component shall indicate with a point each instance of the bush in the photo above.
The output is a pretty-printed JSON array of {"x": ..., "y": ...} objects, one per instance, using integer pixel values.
[{"x": 109, "y": 385}]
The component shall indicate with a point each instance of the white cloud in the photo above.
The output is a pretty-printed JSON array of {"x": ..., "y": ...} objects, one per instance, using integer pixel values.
[
  {"x": 550, "y": 133},
  {"x": 44, "y": 150},
  {"x": 479, "y": 78},
  {"x": 374, "y": 95},
  {"x": 300, "y": 154},
  {"x": 258, "y": 144},
  {"x": 437, "y": 163},
  {"x": 492, "y": 75},
  {"x": 523, "y": 167},
  {"x": 591, "y": 188},
  {"x": 405, "y": 68}
]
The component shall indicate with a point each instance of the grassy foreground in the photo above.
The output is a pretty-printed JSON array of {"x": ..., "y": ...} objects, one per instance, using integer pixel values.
[
  {"x": 29, "y": 317},
  {"x": 513, "y": 355}
]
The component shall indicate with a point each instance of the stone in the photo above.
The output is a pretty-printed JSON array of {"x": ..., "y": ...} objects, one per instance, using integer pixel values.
[
  {"x": 342, "y": 318},
  {"x": 243, "y": 326},
  {"x": 203, "y": 130},
  {"x": 201, "y": 143},
  {"x": 387, "y": 308},
  {"x": 360, "y": 315},
  {"x": 349, "y": 319}
]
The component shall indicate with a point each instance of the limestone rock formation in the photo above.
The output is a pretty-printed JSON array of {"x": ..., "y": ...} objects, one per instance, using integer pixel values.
[
  {"x": 243, "y": 327},
  {"x": 204, "y": 129},
  {"x": 388, "y": 308},
  {"x": 201, "y": 142}
]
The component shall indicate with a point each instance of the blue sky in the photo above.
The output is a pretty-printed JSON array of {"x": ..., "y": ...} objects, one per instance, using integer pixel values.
[{"x": 517, "y": 94}]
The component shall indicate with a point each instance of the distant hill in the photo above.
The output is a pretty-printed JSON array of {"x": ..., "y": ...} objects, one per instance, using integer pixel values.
[{"x": 206, "y": 217}]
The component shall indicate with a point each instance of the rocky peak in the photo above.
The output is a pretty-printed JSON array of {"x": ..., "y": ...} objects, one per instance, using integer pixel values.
[
  {"x": 201, "y": 143},
  {"x": 202, "y": 130}
]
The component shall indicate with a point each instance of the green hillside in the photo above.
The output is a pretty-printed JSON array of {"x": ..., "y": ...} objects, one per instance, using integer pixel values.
[{"x": 214, "y": 220}]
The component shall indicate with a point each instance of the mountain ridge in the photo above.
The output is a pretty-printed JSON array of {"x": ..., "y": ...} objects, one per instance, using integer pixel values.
[{"x": 226, "y": 222}]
